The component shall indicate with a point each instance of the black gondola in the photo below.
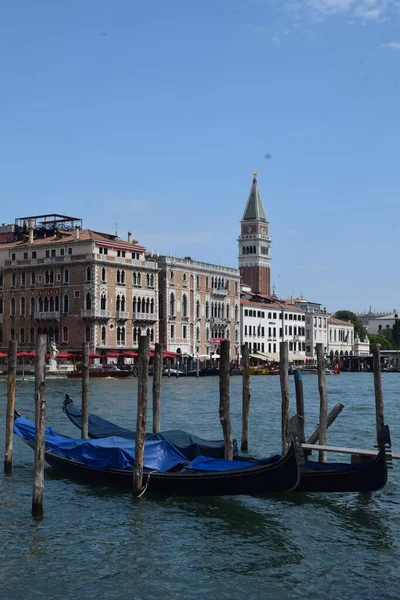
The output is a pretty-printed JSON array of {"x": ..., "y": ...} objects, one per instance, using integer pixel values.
[
  {"x": 275, "y": 474},
  {"x": 367, "y": 476}
]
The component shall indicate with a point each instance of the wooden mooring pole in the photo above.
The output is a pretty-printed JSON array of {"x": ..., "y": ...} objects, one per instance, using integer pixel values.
[
  {"x": 284, "y": 378},
  {"x": 298, "y": 382},
  {"x": 11, "y": 387},
  {"x": 224, "y": 399},
  {"x": 85, "y": 390},
  {"x": 40, "y": 424},
  {"x": 157, "y": 379},
  {"x": 245, "y": 398},
  {"x": 335, "y": 412},
  {"x": 143, "y": 372},
  {"x": 376, "y": 358},
  {"x": 323, "y": 400}
]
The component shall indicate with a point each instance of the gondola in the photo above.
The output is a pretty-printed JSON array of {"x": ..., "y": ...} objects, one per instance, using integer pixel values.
[
  {"x": 368, "y": 476},
  {"x": 166, "y": 471}
]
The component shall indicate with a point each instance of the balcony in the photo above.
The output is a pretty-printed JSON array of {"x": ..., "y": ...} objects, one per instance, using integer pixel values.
[
  {"x": 219, "y": 321},
  {"x": 96, "y": 313},
  {"x": 219, "y": 292},
  {"x": 48, "y": 316},
  {"x": 141, "y": 316},
  {"x": 122, "y": 315}
]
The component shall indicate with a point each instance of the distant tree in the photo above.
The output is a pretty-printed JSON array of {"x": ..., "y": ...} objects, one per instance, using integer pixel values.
[
  {"x": 347, "y": 315},
  {"x": 380, "y": 339},
  {"x": 387, "y": 333},
  {"x": 396, "y": 334}
]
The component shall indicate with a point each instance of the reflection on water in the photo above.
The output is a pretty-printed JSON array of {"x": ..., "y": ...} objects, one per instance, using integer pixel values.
[{"x": 98, "y": 542}]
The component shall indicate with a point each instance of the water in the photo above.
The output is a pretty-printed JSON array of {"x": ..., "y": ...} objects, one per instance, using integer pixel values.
[{"x": 98, "y": 543}]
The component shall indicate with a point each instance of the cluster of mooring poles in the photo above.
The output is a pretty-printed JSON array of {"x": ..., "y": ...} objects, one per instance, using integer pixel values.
[{"x": 319, "y": 435}]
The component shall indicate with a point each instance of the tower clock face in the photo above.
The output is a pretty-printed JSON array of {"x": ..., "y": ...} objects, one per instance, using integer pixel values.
[
  {"x": 262, "y": 229},
  {"x": 249, "y": 229}
]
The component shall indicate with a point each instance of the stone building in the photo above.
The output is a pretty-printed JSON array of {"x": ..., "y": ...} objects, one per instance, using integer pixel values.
[
  {"x": 74, "y": 285},
  {"x": 340, "y": 338},
  {"x": 198, "y": 305},
  {"x": 316, "y": 325}
]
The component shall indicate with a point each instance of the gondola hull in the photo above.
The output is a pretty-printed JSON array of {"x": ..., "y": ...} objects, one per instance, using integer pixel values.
[
  {"x": 277, "y": 477},
  {"x": 368, "y": 476}
]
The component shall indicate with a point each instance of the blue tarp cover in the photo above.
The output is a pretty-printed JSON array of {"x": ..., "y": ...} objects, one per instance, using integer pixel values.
[
  {"x": 105, "y": 453},
  {"x": 205, "y": 463}
]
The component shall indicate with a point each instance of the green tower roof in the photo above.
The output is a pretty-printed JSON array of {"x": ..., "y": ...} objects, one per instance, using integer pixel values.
[{"x": 254, "y": 208}]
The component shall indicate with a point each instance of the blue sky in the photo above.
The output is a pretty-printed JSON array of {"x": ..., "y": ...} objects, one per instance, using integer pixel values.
[{"x": 152, "y": 116}]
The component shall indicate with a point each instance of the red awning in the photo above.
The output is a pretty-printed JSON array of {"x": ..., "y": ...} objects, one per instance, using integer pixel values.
[
  {"x": 25, "y": 354},
  {"x": 94, "y": 355},
  {"x": 112, "y": 355},
  {"x": 2, "y": 355},
  {"x": 65, "y": 355},
  {"x": 130, "y": 354}
]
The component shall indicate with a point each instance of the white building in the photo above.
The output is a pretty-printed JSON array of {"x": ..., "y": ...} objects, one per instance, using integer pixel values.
[
  {"x": 340, "y": 337},
  {"x": 379, "y": 323},
  {"x": 265, "y": 324},
  {"x": 361, "y": 348},
  {"x": 316, "y": 325}
]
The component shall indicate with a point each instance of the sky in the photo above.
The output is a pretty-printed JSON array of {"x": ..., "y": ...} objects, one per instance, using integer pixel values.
[{"x": 152, "y": 117}]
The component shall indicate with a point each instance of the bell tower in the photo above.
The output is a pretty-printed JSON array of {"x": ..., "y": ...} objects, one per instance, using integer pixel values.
[{"x": 255, "y": 244}]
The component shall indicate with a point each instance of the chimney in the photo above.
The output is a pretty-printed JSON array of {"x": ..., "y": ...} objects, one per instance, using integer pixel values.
[
  {"x": 129, "y": 237},
  {"x": 77, "y": 232},
  {"x": 31, "y": 228}
]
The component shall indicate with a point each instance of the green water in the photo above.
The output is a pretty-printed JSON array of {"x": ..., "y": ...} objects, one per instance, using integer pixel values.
[{"x": 98, "y": 543}]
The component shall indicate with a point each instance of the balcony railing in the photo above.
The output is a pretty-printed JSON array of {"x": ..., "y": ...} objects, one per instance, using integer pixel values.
[
  {"x": 49, "y": 315},
  {"x": 219, "y": 321},
  {"x": 96, "y": 313},
  {"x": 219, "y": 292},
  {"x": 143, "y": 316},
  {"x": 122, "y": 315}
]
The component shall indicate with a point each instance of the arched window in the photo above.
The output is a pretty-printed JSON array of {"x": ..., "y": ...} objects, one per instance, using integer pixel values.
[
  {"x": 197, "y": 309},
  {"x": 13, "y": 279},
  {"x": 134, "y": 278},
  {"x": 88, "y": 301},
  {"x": 147, "y": 280},
  {"x": 227, "y": 311},
  {"x": 103, "y": 275},
  {"x": 172, "y": 304},
  {"x": 87, "y": 333},
  {"x": 134, "y": 305},
  {"x": 212, "y": 282},
  {"x": 207, "y": 310},
  {"x": 152, "y": 306},
  {"x": 47, "y": 277},
  {"x": 33, "y": 278},
  {"x": 65, "y": 333},
  {"x": 134, "y": 334},
  {"x": 123, "y": 335},
  {"x": 197, "y": 334},
  {"x": 46, "y": 304},
  {"x": 23, "y": 279},
  {"x": 12, "y": 333},
  {"x": 118, "y": 303},
  {"x": 88, "y": 274},
  {"x": 123, "y": 277},
  {"x": 148, "y": 305},
  {"x": 212, "y": 310},
  {"x": 151, "y": 335},
  {"x": 118, "y": 335},
  {"x": 139, "y": 305},
  {"x": 57, "y": 303},
  {"x": 152, "y": 280},
  {"x": 32, "y": 336},
  {"x": 184, "y": 306},
  {"x": 22, "y": 336},
  {"x": 103, "y": 302},
  {"x": 51, "y": 307},
  {"x": 66, "y": 276},
  {"x": 118, "y": 276},
  {"x": 23, "y": 306},
  {"x": 12, "y": 308},
  {"x": 40, "y": 304},
  {"x": 243, "y": 250},
  {"x": 254, "y": 250},
  {"x": 139, "y": 279},
  {"x": 66, "y": 304},
  {"x": 148, "y": 332},
  {"x": 122, "y": 303},
  {"x": 103, "y": 335},
  {"x": 51, "y": 276},
  {"x": 236, "y": 313}
]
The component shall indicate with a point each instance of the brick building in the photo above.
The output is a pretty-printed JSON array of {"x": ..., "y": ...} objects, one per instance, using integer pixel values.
[
  {"x": 75, "y": 285},
  {"x": 199, "y": 304}
]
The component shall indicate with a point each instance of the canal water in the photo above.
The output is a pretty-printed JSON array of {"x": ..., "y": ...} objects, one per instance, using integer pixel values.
[{"x": 95, "y": 542}]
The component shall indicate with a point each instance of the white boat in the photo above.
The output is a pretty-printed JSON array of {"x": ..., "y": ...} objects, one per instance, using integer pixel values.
[{"x": 313, "y": 370}]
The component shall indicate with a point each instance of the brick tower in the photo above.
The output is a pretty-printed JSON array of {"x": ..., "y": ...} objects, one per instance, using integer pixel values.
[{"x": 255, "y": 244}]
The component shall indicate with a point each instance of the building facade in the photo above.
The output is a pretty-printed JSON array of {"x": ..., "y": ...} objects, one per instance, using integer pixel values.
[
  {"x": 265, "y": 324},
  {"x": 255, "y": 244},
  {"x": 75, "y": 285},
  {"x": 199, "y": 304},
  {"x": 340, "y": 338},
  {"x": 316, "y": 325}
]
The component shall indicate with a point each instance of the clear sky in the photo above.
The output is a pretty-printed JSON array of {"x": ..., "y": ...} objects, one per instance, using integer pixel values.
[{"x": 152, "y": 116}]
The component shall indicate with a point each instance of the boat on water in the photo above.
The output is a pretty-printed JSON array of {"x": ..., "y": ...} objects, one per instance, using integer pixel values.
[
  {"x": 368, "y": 476},
  {"x": 110, "y": 460},
  {"x": 313, "y": 370},
  {"x": 104, "y": 371},
  {"x": 264, "y": 371}
]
